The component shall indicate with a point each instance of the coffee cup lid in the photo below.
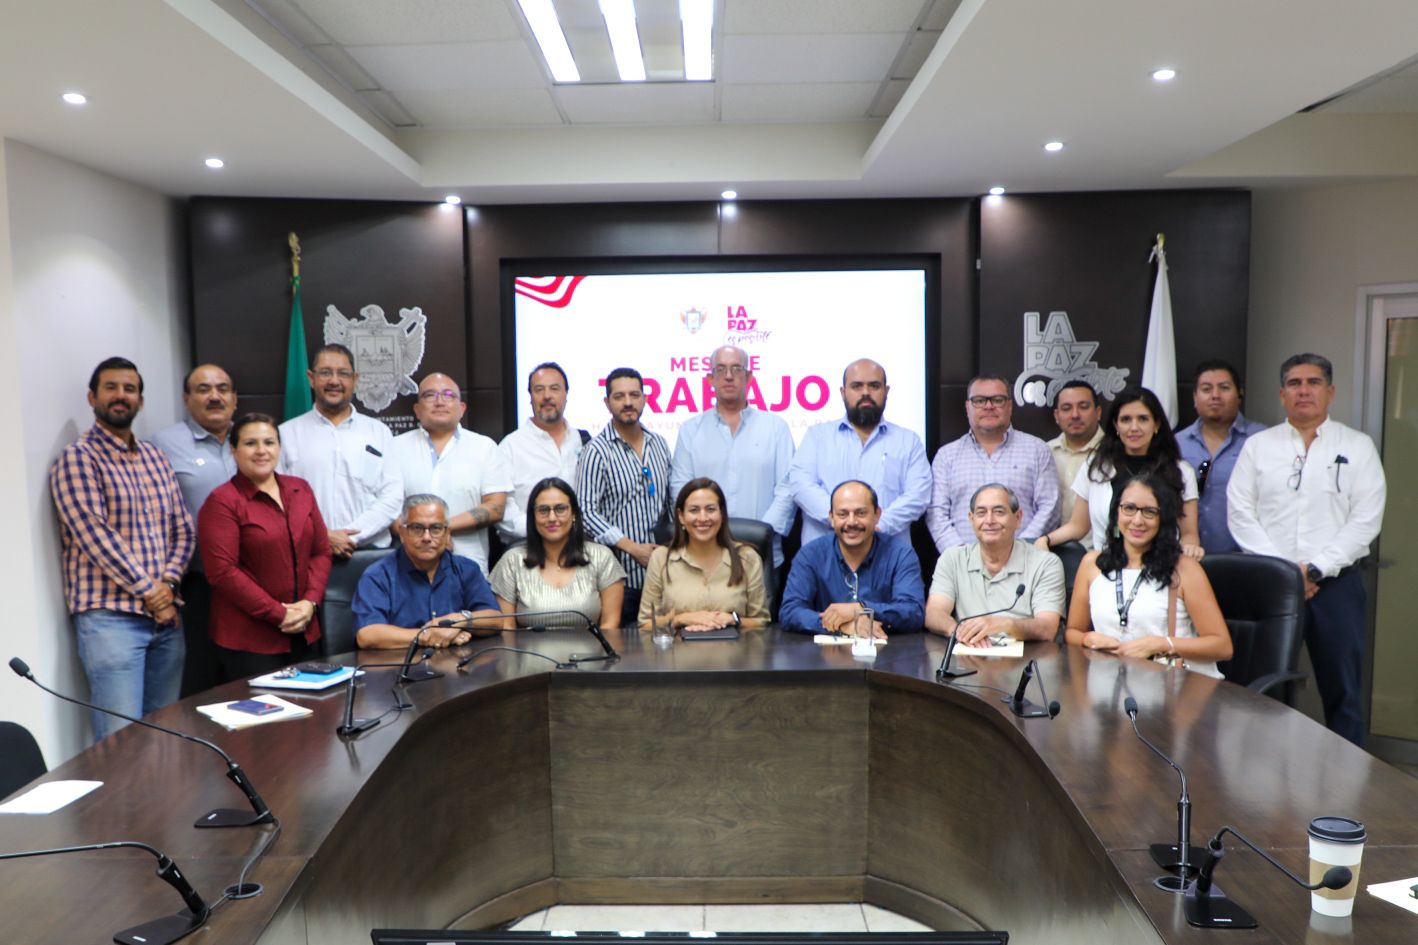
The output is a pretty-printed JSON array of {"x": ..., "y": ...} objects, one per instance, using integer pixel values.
[{"x": 1337, "y": 830}]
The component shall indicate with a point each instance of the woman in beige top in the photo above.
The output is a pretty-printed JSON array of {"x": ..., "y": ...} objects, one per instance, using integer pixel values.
[
  {"x": 704, "y": 579},
  {"x": 557, "y": 568}
]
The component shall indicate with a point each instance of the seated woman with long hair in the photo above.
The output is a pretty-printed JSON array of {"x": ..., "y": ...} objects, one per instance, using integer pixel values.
[
  {"x": 704, "y": 579},
  {"x": 1140, "y": 596},
  {"x": 557, "y": 568},
  {"x": 1136, "y": 441}
]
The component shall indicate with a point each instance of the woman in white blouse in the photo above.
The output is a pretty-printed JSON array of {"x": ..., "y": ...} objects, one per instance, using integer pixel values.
[{"x": 1136, "y": 441}]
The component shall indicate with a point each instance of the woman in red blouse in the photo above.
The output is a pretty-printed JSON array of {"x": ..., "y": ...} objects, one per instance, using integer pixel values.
[{"x": 267, "y": 556}]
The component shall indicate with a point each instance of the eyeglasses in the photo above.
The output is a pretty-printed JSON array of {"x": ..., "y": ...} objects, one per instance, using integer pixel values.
[
  {"x": 418, "y": 529},
  {"x": 995, "y": 400},
  {"x": 1299, "y": 470},
  {"x": 1202, "y": 472},
  {"x": 853, "y": 583},
  {"x": 547, "y": 511},
  {"x": 343, "y": 374},
  {"x": 433, "y": 396},
  {"x": 729, "y": 370},
  {"x": 1149, "y": 513}
]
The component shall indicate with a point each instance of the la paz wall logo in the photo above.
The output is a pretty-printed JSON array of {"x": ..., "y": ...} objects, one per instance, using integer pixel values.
[{"x": 1053, "y": 356}]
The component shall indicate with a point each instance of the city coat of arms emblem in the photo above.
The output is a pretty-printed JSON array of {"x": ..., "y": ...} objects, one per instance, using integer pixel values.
[{"x": 386, "y": 354}]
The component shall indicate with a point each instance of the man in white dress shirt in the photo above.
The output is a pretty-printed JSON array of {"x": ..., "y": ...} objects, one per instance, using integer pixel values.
[
  {"x": 546, "y": 447},
  {"x": 747, "y": 452},
  {"x": 463, "y": 468},
  {"x": 342, "y": 454},
  {"x": 1312, "y": 490}
]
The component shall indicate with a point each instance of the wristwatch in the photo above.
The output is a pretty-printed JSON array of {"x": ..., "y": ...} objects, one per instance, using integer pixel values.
[
  {"x": 1313, "y": 573},
  {"x": 735, "y": 615}
]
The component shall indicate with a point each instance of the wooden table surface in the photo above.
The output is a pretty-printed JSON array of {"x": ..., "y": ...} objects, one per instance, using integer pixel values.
[{"x": 762, "y": 770}]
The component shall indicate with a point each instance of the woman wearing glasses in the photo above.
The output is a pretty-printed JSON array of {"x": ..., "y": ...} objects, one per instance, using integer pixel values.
[
  {"x": 704, "y": 579},
  {"x": 557, "y": 568},
  {"x": 1140, "y": 596},
  {"x": 1136, "y": 441},
  {"x": 267, "y": 556}
]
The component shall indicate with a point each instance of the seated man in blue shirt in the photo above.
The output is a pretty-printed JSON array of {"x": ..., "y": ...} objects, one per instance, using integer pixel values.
[
  {"x": 836, "y": 576},
  {"x": 421, "y": 584}
]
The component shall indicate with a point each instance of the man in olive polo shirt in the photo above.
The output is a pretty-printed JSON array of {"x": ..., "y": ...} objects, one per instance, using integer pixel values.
[{"x": 971, "y": 580}]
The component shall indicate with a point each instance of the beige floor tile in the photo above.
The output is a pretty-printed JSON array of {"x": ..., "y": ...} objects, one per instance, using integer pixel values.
[
  {"x": 626, "y": 918},
  {"x": 820, "y": 917},
  {"x": 529, "y": 923}
]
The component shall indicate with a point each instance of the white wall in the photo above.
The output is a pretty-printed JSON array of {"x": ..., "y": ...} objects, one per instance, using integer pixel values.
[
  {"x": 1311, "y": 250},
  {"x": 90, "y": 266}
]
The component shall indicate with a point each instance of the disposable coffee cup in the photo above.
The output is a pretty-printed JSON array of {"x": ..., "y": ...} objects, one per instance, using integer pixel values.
[{"x": 1335, "y": 841}]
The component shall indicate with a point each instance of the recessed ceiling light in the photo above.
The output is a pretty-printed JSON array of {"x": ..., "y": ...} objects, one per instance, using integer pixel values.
[
  {"x": 730, "y": 195},
  {"x": 625, "y": 39},
  {"x": 546, "y": 29},
  {"x": 1164, "y": 75},
  {"x": 1053, "y": 146},
  {"x": 75, "y": 98},
  {"x": 697, "y": 34},
  {"x": 215, "y": 163},
  {"x": 454, "y": 199},
  {"x": 996, "y": 191}
]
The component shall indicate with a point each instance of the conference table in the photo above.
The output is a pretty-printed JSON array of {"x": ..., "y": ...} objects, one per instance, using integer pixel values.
[{"x": 766, "y": 769}]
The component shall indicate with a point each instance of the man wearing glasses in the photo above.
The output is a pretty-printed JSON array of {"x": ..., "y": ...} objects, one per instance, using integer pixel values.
[
  {"x": 465, "y": 468},
  {"x": 991, "y": 451},
  {"x": 623, "y": 482},
  {"x": 1212, "y": 444},
  {"x": 423, "y": 583},
  {"x": 342, "y": 454},
  {"x": 1312, "y": 490},
  {"x": 747, "y": 452}
]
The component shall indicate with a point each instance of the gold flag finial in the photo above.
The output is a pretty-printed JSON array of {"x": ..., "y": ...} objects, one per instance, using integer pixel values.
[
  {"x": 1161, "y": 240},
  {"x": 294, "y": 256}
]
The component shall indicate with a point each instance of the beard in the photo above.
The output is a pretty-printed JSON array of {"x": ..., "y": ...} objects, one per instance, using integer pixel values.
[
  {"x": 864, "y": 415},
  {"x": 117, "y": 421}
]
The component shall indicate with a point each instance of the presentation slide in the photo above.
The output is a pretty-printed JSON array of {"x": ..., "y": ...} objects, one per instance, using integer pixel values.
[{"x": 800, "y": 329}]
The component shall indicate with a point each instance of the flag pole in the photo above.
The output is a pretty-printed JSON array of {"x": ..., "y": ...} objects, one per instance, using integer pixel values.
[
  {"x": 297, "y": 393},
  {"x": 1159, "y": 362}
]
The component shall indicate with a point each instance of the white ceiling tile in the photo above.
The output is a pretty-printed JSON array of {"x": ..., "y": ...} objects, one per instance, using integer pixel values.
[
  {"x": 292, "y": 20},
  {"x": 940, "y": 14},
  {"x": 821, "y": 16},
  {"x": 339, "y": 62},
  {"x": 507, "y": 65},
  {"x": 784, "y": 59},
  {"x": 890, "y": 96},
  {"x": 397, "y": 22},
  {"x": 467, "y": 110},
  {"x": 836, "y": 101},
  {"x": 636, "y": 103},
  {"x": 388, "y": 108},
  {"x": 1391, "y": 96},
  {"x": 917, "y": 49}
]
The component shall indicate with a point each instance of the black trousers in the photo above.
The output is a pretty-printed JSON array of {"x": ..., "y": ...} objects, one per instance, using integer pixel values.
[
  {"x": 239, "y": 664},
  {"x": 200, "y": 669},
  {"x": 1334, "y": 634}
]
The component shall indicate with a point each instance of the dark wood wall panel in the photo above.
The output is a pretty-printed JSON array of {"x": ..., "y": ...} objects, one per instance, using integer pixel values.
[{"x": 1087, "y": 253}]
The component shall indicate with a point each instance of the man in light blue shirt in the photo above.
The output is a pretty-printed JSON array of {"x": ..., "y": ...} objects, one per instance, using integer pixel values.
[
  {"x": 746, "y": 451},
  {"x": 865, "y": 447},
  {"x": 1212, "y": 445}
]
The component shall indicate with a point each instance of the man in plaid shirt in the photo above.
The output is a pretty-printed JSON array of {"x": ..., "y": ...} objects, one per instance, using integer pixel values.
[{"x": 127, "y": 536}]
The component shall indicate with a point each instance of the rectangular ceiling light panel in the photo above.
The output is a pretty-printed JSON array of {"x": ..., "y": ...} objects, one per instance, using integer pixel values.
[
  {"x": 697, "y": 20},
  {"x": 541, "y": 17}
]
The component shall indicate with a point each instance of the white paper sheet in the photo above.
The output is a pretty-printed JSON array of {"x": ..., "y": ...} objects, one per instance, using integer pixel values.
[
  {"x": 48, "y": 797},
  {"x": 1396, "y": 892}
]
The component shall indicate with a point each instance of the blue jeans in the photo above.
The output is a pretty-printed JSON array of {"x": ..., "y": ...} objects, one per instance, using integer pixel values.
[{"x": 133, "y": 665}]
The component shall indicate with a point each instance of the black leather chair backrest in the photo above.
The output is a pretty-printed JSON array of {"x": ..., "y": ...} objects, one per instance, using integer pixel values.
[
  {"x": 1263, "y": 601},
  {"x": 337, "y": 629},
  {"x": 21, "y": 758},
  {"x": 751, "y": 531},
  {"x": 1071, "y": 553}
]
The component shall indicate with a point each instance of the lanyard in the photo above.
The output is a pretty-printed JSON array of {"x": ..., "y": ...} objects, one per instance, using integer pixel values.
[{"x": 1125, "y": 606}]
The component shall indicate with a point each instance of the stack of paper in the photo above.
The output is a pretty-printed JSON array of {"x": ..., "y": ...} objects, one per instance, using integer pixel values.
[
  {"x": 232, "y": 720},
  {"x": 841, "y": 639},
  {"x": 1014, "y": 648},
  {"x": 48, "y": 797},
  {"x": 306, "y": 681}
]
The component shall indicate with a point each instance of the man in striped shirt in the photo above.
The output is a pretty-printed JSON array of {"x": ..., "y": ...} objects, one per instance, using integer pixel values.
[
  {"x": 126, "y": 536},
  {"x": 623, "y": 482}
]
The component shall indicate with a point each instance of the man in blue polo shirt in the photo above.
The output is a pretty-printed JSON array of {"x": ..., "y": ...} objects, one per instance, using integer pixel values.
[
  {"x": 835, "y": 577},
  {"x": 422, "y": 583}
]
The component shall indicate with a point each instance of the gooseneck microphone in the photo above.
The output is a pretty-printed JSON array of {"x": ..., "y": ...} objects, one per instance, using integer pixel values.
[
  {"x": 350, "y": 725},
  {"x": 1181, "y": 857},
  {"x": 161, "y": 931},
  {"x": 1021, "y": 706},
  {"x": 1206, "y": 907},
  {"x": 408, "y": 672},
  {"x": 608, "y": 652},
  {"x": 945, "y": 672},
  {"x": 261, "y": 814}
]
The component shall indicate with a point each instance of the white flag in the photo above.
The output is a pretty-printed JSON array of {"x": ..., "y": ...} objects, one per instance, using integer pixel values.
[{"x": 1159, "y": 363}]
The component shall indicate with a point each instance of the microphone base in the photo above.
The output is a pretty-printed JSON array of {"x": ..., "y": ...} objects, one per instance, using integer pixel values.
[
  {"x": 162, "y": 931},
  {"x": 1214, "y": 911},
  {"x": 603, "y": 657},
  {"x": 356, "y": 726},
  {"x": 228, "y": 817},
  {"x": 419, "y": 674},
  {"x": 953, "y": 673},
  {"x": 1025, "y": 709},
  {"x": 1165, "y": 856}
]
